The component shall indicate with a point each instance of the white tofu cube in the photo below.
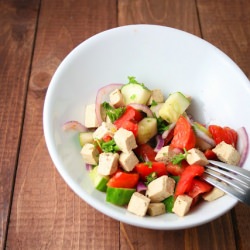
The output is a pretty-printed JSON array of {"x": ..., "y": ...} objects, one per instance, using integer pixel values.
[
  {"x": 138, "y": 204},
  {"x": 160, "y": 188},
  {"x": 155, "y": 209},
  {"x": 182, "y": 205},
  {"x": 214, "y": 194},
  {"x": 125, "y": 140},
  {"x": 128, "y": 160},
  {"x": 105, "y": 129},
  {"x": 90, "y": 117},
  {"x": 108, "y": 163},
  {"x": 90, "y": 154},
  {"x": 165, "y": 154},
  {"x": 116, "y": 98},
  {"x": 195, "y": 156},
  {"x": 227, "y": 153},
  {"x": 156, "y": 95}
]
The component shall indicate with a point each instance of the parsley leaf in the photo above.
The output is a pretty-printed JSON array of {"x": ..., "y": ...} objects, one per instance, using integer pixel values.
[
  {"x": 162, "y": 125},
  {"x": 154, "y": 103},
  {"x": 177, "y": 159},
  {"x": 109, "y": 146},
  {"x": 150, "y": 178},
  {"x": 149, "y": 164},
  {"x": 113, "y": 113}
]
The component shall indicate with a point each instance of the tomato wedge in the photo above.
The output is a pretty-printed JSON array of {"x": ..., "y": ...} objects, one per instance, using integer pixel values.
[
  {"x": 123, "y": 180},
  {"x": 225, "y": 134},
  {"x": 210, "y": 155},
  {"x": 186, "y": 178},
  {"x": 176, "y": 169},
  {"x": 184, "y": 136},
  {"x": 130, "y": 114},
  {"x": 199, "y": 187},
  {"x": 146, "y": 168},
  {"x": 145, "y": 152}
]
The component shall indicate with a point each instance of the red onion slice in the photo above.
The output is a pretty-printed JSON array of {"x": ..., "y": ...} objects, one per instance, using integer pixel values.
[
  {"x": 170, "y": 128},
  {"x": 101, "y": 95},
  {"x": 242, "y": 145},
  {"x": 141, "y": 187},
  {"x": 143, "y": 108},
  {"x": 159, "y": 143},
  {"x": 74, "y": 125},
  {"x": 204, "y": 137},
  {"x": 88, "y": 167}
]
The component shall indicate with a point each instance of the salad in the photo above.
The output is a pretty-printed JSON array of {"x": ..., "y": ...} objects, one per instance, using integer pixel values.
[{"x": 148, "y": 154}]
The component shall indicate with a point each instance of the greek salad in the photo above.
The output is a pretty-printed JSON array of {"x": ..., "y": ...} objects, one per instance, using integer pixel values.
[{"x": 147, "y": 153}]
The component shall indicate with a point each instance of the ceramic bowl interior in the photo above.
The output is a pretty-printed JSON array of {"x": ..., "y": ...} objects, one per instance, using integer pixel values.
[{"x": 160, "y": 57}]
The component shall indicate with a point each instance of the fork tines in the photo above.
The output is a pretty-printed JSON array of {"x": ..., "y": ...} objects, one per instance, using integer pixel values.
[{"x": 232, "y": 180}]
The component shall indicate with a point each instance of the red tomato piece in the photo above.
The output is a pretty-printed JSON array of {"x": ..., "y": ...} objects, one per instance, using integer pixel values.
[
  {"x": 225, "y": 134},
  {"x": 169, "y": 137},
  {"x": 176, "y": 169},
  {"x": 145, "y": 152},
  {"x": 123, "y": 180},
  {"x": 107, "y": 138},
  {"x": 199, "y": 187},
  {"x": 186, "y": 178},
  {"x": 130, "y": 114},
  {"x": 131, "y": 126},
  {"x": 184, "y": 136},
  {"x": 144, "y": 169},
  {"x": 210, "y": 155}
]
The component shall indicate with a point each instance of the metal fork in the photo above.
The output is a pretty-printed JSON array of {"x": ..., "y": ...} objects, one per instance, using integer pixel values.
[{"x": 233, "y": 180}]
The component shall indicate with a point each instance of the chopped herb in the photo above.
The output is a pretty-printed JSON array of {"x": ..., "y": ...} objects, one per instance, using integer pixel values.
[
  {"x": 109, "y": 146},
  {"x": 177, "y": 159},
  {"x": 131, "y": 79},
  {"x": 150, "y": 178},
  {"x": 162, "y": 125},
  {"x": 113, "y": 113},
  {"x": 154, "y": 103},
  {"x": 149, "y": 164},
  {"x": 132, "y": 97}
]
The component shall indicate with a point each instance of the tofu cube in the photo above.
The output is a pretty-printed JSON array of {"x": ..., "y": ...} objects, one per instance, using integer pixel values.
[
  {"x": 128, "y": 160},
  {"x": 227, "y": 153},
  {"x": 105, "y": 129},
  {"x": 195, "y": 156},
  {"x": 182, "y": 205},
  {"x": 138, "y": 204},
  {"x": 90, "y": 117},
  {"x": 165, "y": 154},
  {"x": 160, "y": 188},
  {"x": 90, "y": 154},
  {"x": 214, "y": 194},
  {"x": 116, "y": 98},
  {"x": 156, "y": 95},
  {"x": 125, "y": 140},
  {"x": 108, "y": 163},
  {"x": 155, "y": 209}
]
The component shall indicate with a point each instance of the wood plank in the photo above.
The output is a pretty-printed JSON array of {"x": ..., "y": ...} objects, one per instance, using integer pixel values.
[
  {"x": 226, "y": 24},
  {"x": 181, "y": 15},
  {"x": 45, "y": 212},
  {"x": 18, "y": 24}
]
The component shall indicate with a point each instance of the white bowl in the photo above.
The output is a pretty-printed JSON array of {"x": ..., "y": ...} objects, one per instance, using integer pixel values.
[{"x": 160, "y": 57}]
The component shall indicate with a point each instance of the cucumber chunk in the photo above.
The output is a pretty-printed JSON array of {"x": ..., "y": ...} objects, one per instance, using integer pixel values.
[
  {"x": 119, "y": 196},
  {"x": 135, "y": 93},
  {"x": 147, "y": 128},
  {"x": 100, "y": 181},
  {"x": 174, "y": 106},
  {"x": 85, "y": 137}
]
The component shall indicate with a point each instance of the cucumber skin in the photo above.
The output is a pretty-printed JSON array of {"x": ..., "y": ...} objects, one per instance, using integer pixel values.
[
  {"x": 174, "y": 106},
  {"x": 119, "y": 196},
  {"x": 135, "y": 93},
  {"x": 100, "y": 182}
]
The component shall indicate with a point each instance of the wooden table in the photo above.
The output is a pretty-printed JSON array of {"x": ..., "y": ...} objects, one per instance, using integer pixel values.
[{"x": 37, "y": 209}]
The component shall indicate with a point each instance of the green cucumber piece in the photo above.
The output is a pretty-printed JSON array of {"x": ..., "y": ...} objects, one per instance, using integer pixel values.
[
  {"x": 135, "y": 93},
  {"x": 174, "y": 106},
  {"x": 85, "y": 137},
  {"x": 100, "y": 181},
  {"x": 147, "y": 128},
  {"x": 119, "y": 196},
  {"x": 169, "y": 203}
]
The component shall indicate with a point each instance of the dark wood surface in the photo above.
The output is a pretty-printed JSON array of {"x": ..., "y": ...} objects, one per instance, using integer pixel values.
[{"x": 37, "y": 209}]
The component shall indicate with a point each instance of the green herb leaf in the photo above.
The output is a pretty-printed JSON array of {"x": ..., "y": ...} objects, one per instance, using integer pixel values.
[
  {"x": 150, "y": 178},
  {"x": 162, "y": 125},
  {"x": 154, "y": 103},
  {"x": 177, "y": 159},
  {"x": 113, "y": 113},
  {"x": 109, "y": 146},
  {"x": 149, "y": 164}
]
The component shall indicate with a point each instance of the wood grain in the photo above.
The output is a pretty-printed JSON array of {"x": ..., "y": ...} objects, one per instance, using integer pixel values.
[
  {"x": 46, "y": 214},
  {"x": 18, "y": 23}
]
